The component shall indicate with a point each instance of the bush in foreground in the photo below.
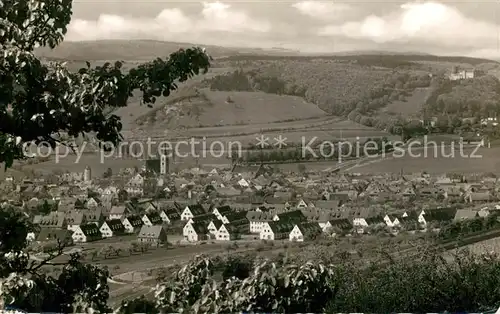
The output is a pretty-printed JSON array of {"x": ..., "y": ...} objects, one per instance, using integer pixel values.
[{"x": 468, "y": 283}]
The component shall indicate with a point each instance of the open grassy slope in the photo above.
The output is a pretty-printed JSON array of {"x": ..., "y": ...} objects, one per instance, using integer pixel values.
[
  {"x": 411, "y": 106},
  {"x": 214, "y": 108}
]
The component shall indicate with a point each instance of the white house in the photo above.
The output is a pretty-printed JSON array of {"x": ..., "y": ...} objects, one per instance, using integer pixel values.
[
  {"x": 112, "y": 228},
  {"x": 359, "y": 222},
  {"x": 214, "y": 226},
  {"x": 302, "y": 204},
  {"x": 91, "y": 203},
  {"x": 258, "y": 220},
  {"x": 132, "y": 224},
  {"x": 195, "y": 232},
  {"x": 135, "y": 185},
  {"x": 343, "y": 224},
  {"x": 118, "y": 212},
  {"x": 86, "y": 233},
  {"x": 236, "y": 217},
  {"x": 304, "y": 231},
  {"x": 225, "y": 233},
  {"x": 276, "y": 230},
  {"x": 243, "y": 183},
  {"x": 191, "y": 211},
  {"x": 421, "y": 218},
  {"x": 392, "y": 221},
  {"x": 221, "y": 211},
  {"x": 152, "y": 218},
  {"x": 169, "y": 216},
  {"x": 74, "y": 219}
]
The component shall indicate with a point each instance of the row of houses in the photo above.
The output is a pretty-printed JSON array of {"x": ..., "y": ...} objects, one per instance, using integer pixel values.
[
  {"x": 54, "y": 226},
  {"x": 224, "y": 224}
]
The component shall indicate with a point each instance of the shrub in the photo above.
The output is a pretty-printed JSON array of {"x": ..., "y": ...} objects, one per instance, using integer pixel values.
[{"x": 429, "y": 283}]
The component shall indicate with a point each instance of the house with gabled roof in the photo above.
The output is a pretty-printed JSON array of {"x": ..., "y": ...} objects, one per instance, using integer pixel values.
[
  {"x": 466, "y": 213},
  {"x": 243, "y": 183},
  {"x": 196, "y": 231},
  {"x": 203, "y": 218},
  {"x": 170, "y": 215},
  {"x": 92, "y": 202},
  {"x": 112, "y": 228},
  {"x": 302, "y": 204},
  {"x": 375, "y": 221},
  {"x": 236, "y": 217},
  {"x": 339, "y": 224},
  {"x": 392, "y": 220},
  {"x": 74, "y": 219},
  {"x": 221, "y": 211},
  {"x": 94, "y": 215},
  {"x": 478, "y": 197},
  {"x": 132, "y": 223},
  {"x": 304, "y": 231},
  {"x": 327, "y": 205},
  {"x": 276, "y": 230},
  {"x": 258, "y": 220},
  {"x": 52, "y": 220},
  {"x": 359, "y": 216},
  {"x": 232, "y": 231},
  {"x": 439, "y": 215},
  {"x": 55, "y": 236},
  {"x": 152, "y": 218},
  {"x": 410, "y": 221},
  {"x": 135, "y": 185},
  {"x": 154, "y": 235},
  {"x": 214, "y": 226},
  {"x": 86, "y": 233},
  {"x": 295, "y": 216},
  {"x": 191, "y": 211},
  {"x": 118, "y": 212}
]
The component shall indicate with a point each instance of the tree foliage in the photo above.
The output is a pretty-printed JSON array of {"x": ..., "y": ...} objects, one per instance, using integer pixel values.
[
  {"x": 425, "y": 283},
  {"x": 473, "y": 98},
  {"x": 39, "y": 100}
]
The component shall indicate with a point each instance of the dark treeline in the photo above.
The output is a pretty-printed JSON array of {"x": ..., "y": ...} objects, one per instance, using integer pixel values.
[
  {"x": 320, "y": 151},
  {"x": 387, "y": 60}
]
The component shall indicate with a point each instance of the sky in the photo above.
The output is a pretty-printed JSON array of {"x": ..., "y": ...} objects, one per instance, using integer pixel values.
[{"x": 470, "y": 28}]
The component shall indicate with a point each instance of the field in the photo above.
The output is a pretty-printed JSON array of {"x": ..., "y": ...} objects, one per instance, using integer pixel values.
[
  {"x": 214, "y": 108},
  {"x": 135, "y": 110},
  {"x": 411, "y": 107},
  {"x": 488, "y": 162},
  {"x": 209, "y": 151}
]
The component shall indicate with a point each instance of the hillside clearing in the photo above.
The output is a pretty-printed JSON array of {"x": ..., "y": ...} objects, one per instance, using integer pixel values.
[
  {"x": 214, "y": 108},
  {"x": 411, "y": 106}
]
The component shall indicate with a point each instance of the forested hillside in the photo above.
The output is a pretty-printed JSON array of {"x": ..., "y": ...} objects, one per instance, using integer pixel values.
[
  {"x": 479, "y": 98},
  {"x": 336, "y": 87}
]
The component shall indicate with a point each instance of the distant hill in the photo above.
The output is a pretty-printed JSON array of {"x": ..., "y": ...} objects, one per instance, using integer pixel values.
[
  {"x": 379, "y": 52},
  {"x": 137, "y": 50},
  {"x": 363, "y": 57},
  {"x": 149, "y": 49}
]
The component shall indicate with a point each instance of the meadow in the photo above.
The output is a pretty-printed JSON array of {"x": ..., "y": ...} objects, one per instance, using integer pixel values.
[
  {"x": 216, "y": 108},
  {"x": 488, "y": 162},
  {"x": 411, "y": 107}
]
